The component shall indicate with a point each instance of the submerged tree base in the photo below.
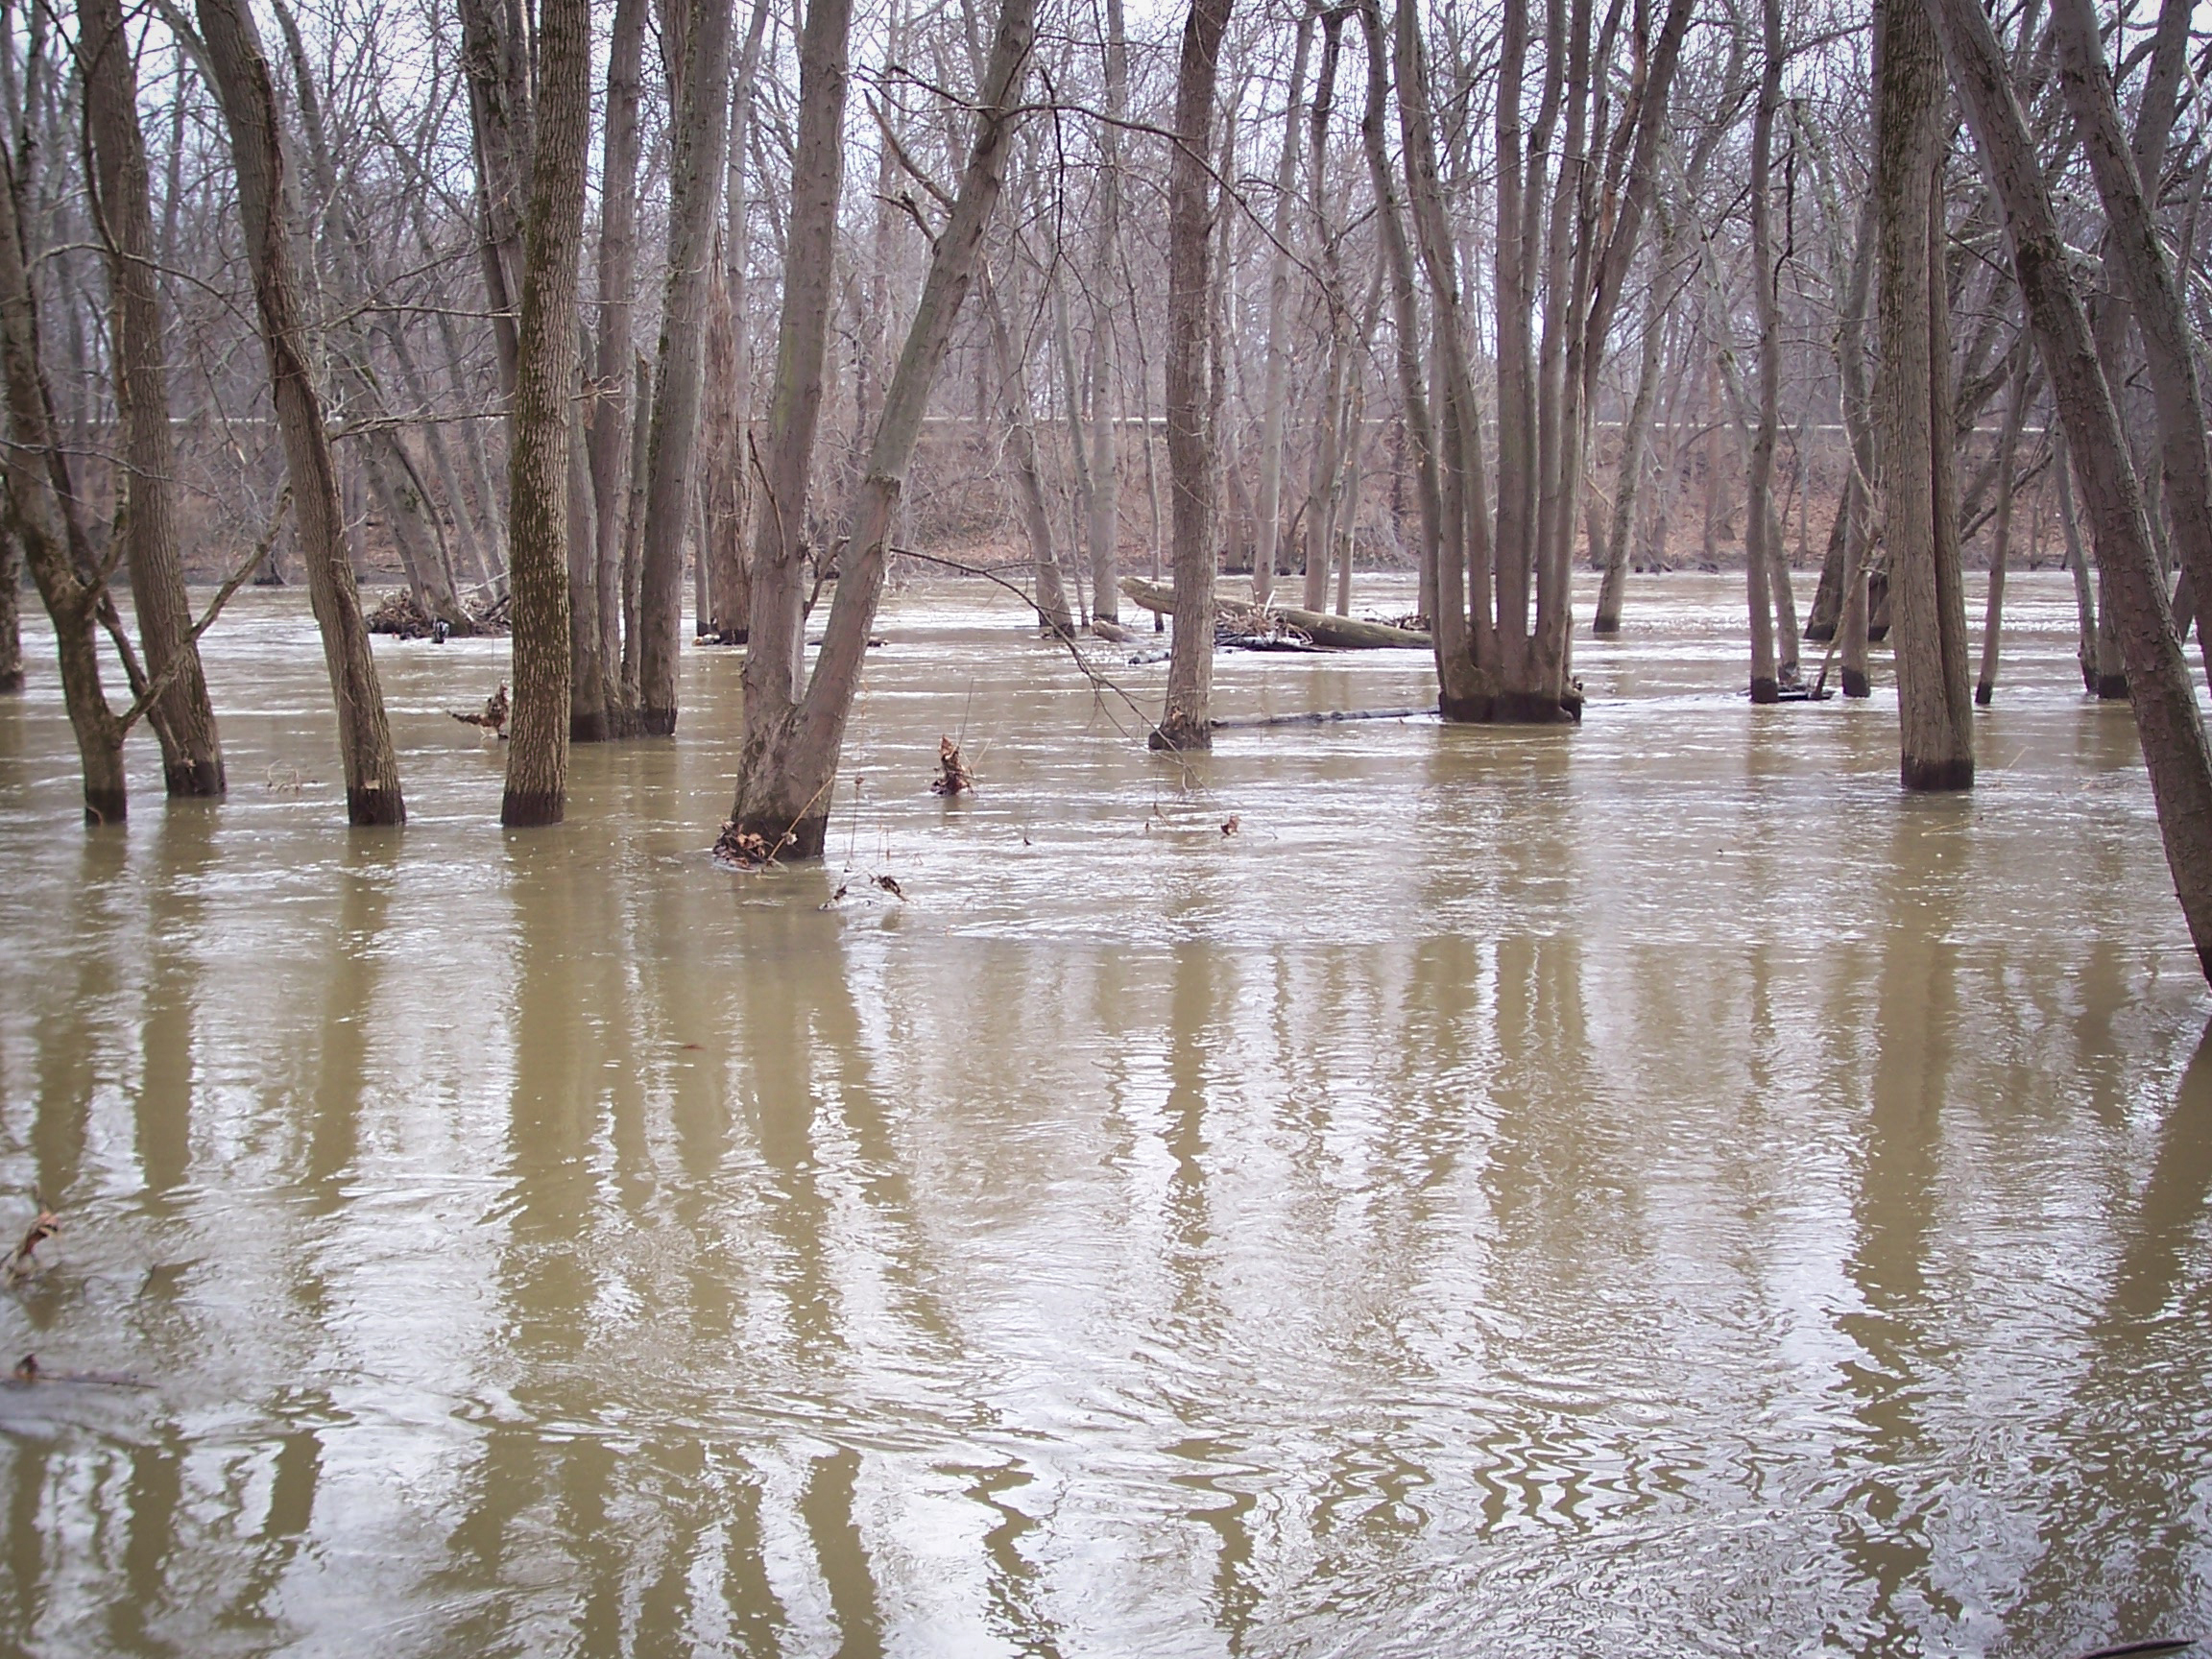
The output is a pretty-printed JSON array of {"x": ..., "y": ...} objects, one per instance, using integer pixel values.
[
  {"x": 370, "y": 807},
  {"x": 656, "y": 723},
  {"x": 1855, "y": 683},
  {"x": 1179, "y": 731},
  {"x": 106, "y": 806},
  {"x": 1764, "y": 691},
  {"x": 754, "y": 844},
  {"x": 194, "y": 779},
  {"x": 1512, "y": 709},
  {"x": 2112, "y": 688},
  {"x": 1936, "y": 776},
  {"x": 533, "y": 810}
]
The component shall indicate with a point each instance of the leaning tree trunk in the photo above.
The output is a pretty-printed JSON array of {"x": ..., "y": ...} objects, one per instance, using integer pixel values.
[
  {"x": 2155, "y": 295},
  {"x": 183, "y": 718},
  {"x": 537, "y": 470},
  {"x": 787, "y": 779},
  {"x": 695, "y": 190},
  {"x": 248, "y": 99},
  {"x": 1920, "y": 506},
  {"x": 1187, "y": 722},
  {"x": 1105, "y": 526},
  {"x": 1052, "y": 593},
  {"x": 1612, "y": 585},
  {"x": 35, "y": 522},
  {"x": 2167, "y": 718}
]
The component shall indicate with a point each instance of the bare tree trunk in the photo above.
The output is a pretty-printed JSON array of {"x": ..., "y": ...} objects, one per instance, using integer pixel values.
[
  {"x": 1613, "y": 585},
  {"x": 1187, "y": 722},
  {"x": 1762, "y": 559},
  {"x": 773, "y": 655},
  {"x": 695, "y": 191},
  {"x": 241, "y": 72},
  {"x": 1268, "y": 509},
  {"x": 495, "y": 61},
  {"x": 2001, "y": 533},
  {"x": 10, "y": 609},
  {"x": 35, "y": 522},
  {"x": 1919, "y": 517},
  {"x": 1052, "y": 595},
  {"x": 2169, "y": 344},
  {"x": 2088, "y": 643},
  {"x": 786, "y": 777},
  {"x": 1105, "y": 527},
  {"x": 2167, "y": 719},
  {"x": 537, "y": 471},
  {"x": 608, "y": 429},
  {"x": 729, "y": 403},
  {"x": 183, "y": 718}
]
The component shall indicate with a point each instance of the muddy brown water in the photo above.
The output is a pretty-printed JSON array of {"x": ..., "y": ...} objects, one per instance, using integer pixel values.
[{"x": 1641, "y": 1190}]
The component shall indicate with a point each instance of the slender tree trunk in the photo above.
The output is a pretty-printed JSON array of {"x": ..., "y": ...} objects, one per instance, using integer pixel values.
[
  {"x": 728, "y": 402},
  {"x": 1762, "y": 559},
  {"x": 183, "y": 718},
  {"x": 2001, "y": 533},
  {"x": 695, "y": 192},
  {"x": 787, "y": 779},
  {"x": 243, "y": 84},
  {"x": 537, "y": 470},
  {"x": 2167, "y": 719},
  {"x": 2087, "y": 645},
  {"x": 1612, "y": 585},
  {"x": 772, "y": 656},
  {"x": 496, "y": 63},
  {"x": 10, "y": 609},
  {"x": 1267, "y": 511},
  {"x": 1920, "y": 523},
  {"x": 35, "y": 522},
  {"x": 1105, "y": 526},
  {"x": 1052, "y": 595},
  {"x": 1190, "y": 438}
]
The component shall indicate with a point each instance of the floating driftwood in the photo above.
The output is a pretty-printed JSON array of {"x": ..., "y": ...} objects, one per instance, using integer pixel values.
[
  {"x": 1316, "y": 717},
  {"x": 1339, "y": 632}
]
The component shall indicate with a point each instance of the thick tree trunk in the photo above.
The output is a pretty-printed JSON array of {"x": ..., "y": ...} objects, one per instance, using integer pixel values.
[
  {"x": 789, "y": 767},
  {"x": 728, "y": 488},
  {"x": 183, "y": 718},
  {"x": 2167, "y": 719},
  {"x": 695, "y": 192},
  {"x": 1920, "y": 524},
  {"x": 1190, "y": 438},
  {"x": 241, "y": 72},
  {"x": 537, "y": 471}
]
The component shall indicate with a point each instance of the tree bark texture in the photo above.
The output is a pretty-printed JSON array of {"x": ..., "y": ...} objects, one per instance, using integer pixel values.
[
  {"x": 695, "y": 192},
  {"x": 1912, "y": 404},
  {"x": 538, "y": 469},
  {"x": 2167, "y": 718},
  {"x": 1191, "y": 437},
  {"x": 183, "y": 718},
  {"x": 243, "y": 84}
]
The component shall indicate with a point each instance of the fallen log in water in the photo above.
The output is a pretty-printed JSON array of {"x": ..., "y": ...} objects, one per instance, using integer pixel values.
[
  {"x": 1317, "y": 717},
  {"x": 1343, "y": 632}
]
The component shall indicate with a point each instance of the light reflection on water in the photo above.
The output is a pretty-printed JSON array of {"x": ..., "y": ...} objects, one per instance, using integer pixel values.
[{"x": 1647, "y": 1189}]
